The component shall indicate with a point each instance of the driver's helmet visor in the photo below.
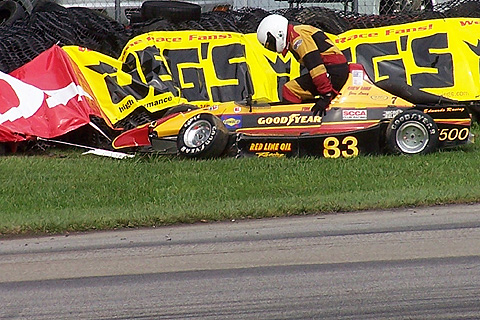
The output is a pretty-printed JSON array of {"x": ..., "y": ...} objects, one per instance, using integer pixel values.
[{"x": 271, "y": 43}]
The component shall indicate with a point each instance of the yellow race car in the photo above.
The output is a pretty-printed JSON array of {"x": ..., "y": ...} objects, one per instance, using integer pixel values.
[{"x": 362, "y": 119}]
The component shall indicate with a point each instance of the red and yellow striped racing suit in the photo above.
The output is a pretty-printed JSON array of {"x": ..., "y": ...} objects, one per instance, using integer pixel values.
[{"x": 326, "y": 65}]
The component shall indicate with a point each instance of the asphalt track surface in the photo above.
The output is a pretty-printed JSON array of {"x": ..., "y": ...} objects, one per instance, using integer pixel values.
[{"x": 417, "y": 263}]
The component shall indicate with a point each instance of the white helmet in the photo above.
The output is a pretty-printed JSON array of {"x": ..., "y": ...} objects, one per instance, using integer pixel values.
[{"x": 272, "y": 32}]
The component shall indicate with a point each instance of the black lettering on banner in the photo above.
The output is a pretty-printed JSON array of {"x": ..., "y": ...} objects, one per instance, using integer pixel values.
[
  {"x": 403, "y": 43},
  {"x": 152, "y": 68},
  {"x": 204, "y": 50},
  {"x": 192, "y": 76},
  {"x": 348, "y": 54},
  {"x": 138, "y": 88},
  {"x": 226, "y": 70},
  {"x": 443, "y": 62},
  {"x": 114, "y": 90},
  {"x": 474, "y": 48},
  {"x": 102, "y": 68},
  {"x": 393, "y": 70},
  {"x": 281, "y": 67},
  {"x": 366, "y": 52}
]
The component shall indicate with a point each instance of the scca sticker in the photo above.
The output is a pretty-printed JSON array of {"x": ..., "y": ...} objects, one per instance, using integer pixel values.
[
  {"x": 354, "y": 114},
  {"x": 232, "y": 121}
]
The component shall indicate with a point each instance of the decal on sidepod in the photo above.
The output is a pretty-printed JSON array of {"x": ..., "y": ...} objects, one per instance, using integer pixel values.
[{"x": 232, "y": 121}]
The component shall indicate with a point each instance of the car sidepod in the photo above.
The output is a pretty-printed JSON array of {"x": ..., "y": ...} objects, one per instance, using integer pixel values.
[
  {"x": 334, "y": 145},
  {"x": 417, "y": 130},
  {"x": 453, "y": 122}
]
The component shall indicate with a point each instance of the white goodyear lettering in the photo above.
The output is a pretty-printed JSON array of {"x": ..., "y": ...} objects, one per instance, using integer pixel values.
[
  {"x": 289, "y": 120},
  {"x": 197, "y": 149},
  {"x": 354, "y": 114}
]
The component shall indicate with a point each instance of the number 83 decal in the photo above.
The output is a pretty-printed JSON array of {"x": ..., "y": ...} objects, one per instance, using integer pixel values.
[{"x": 346, "y": 147}]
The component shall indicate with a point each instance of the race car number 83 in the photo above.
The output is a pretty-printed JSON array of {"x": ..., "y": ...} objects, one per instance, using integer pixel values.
[{"x": 334, "y": 148}]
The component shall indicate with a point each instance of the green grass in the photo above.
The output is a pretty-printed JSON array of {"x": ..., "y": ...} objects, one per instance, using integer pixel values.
[{"x": 71, "y": 192}]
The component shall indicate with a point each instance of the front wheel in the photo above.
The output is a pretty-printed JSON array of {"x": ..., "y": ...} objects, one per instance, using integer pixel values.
[
  {"x": 202, "y": 136},
  {"x": 412, "y": 132}
]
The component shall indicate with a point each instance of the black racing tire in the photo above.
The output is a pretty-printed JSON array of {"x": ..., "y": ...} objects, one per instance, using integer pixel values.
[
  {"x": 10, "y": 11},
  {"x": 174, "y": 11},
  {"x": 412, "y": 132},
  {"x": 180, "y": 108},
  {"x": 202, "y": 136}
]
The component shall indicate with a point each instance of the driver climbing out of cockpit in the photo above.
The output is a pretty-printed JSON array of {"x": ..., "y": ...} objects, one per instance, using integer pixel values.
[{"x": 327, "y": 66}]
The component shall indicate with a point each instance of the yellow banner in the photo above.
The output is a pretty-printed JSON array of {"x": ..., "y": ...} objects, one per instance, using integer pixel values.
[
  {"x": 121, "y": 87},
  {"x": 436, "y": 56},
  {"x": 212, "y": 67},
  {"x": 158, "y": 70}
]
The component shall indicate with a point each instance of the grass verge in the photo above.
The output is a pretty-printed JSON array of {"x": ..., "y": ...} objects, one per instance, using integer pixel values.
[{"x": 67, "y": 191}]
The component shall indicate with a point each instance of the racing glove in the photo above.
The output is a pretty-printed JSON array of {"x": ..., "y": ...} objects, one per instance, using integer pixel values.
[{"x": 320, "y": 107}]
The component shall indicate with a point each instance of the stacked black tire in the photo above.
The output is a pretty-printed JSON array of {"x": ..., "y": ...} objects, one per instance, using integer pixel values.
[
  {"x": 26, "y": 31},
  {"x": 24, "y": 36},
  {"x": 246, "y": 20}
]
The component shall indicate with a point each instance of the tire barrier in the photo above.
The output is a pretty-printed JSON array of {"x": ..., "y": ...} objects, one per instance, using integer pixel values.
[
  {"x": 10, "y": 11},
  {"x": 50, "y": 24},
  {"x": 246, "y": 20},
  {"x": 174, "y": 11},
  {"x": 22, "y": 39}
]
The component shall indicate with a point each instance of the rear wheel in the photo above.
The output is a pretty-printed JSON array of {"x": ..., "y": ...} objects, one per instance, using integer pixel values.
[
  {"x": 412, "y": 132},
  {"x": 202, "y": 136}
]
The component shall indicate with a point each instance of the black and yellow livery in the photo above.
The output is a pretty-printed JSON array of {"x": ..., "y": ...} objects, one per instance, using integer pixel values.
[{"x": 362, "y": 119}]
